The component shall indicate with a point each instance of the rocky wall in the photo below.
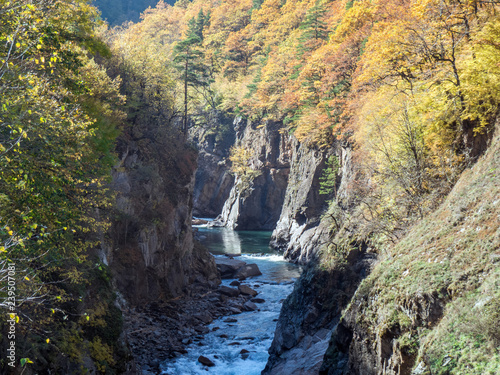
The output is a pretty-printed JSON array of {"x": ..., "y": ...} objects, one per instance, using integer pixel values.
[
  {"x": 258, "y": 205},
  {"x": 213, "y": 180},
  {"x": 151, "y": 252}
]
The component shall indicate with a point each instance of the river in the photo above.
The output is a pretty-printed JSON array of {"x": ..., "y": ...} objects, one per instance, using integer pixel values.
[{"x": 253, "y": 330}]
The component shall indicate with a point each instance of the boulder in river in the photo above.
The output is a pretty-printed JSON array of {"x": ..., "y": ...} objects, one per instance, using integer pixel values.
[
  {"x": 258, "y": 300},
  {"x": 244, "y": 353},
  {"x": 228, "y": 267},
  {"x": 250, "y": 306},
  {"x": 247, "y": 271},
  {"x": 230, "y": 292},
  {"x": 205, "y": 361},
  {"x": 246, "y": 290}
]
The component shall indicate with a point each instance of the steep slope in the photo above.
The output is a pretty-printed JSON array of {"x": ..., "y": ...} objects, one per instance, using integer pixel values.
[
  {"x": 152, "y": 254},
  {"x": 431, "y": 305},
  {"x": 213, "y": 180},
  {"x": 255, "y": 203}
]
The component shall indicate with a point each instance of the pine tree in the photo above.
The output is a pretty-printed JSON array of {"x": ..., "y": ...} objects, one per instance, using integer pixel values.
[
  {"x": 189, "y": 60},
  {"x": 315, "y": 29}
]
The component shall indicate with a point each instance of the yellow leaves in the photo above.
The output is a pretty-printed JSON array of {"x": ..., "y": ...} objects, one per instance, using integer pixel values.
[
  {"x": 355, "y": 19},
  {"x": 480, "y": 72},
  {"x": 313, "y": 127}
]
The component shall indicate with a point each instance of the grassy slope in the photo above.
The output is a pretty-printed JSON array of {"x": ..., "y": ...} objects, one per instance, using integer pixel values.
[{"x": 437, "y": 292}]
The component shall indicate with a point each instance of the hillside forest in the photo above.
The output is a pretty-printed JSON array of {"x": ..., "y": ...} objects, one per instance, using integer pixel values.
[{"x": 412, "y": 87}]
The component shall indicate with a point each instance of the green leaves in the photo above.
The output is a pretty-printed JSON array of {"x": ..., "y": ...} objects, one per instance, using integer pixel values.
[{"x": 24, "y": 361}]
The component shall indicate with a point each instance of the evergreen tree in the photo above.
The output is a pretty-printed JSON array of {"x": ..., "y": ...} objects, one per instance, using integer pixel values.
[
  {"x": 189, "y": 60},
  {"x": 314, "y": 28}
]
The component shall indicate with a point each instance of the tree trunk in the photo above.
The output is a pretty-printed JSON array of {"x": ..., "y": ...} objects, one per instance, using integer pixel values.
[{"x": 185, "y": 124}]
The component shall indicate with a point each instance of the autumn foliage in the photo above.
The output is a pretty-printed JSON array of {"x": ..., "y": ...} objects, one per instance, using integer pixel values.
[{"x": 412, "y": 86}]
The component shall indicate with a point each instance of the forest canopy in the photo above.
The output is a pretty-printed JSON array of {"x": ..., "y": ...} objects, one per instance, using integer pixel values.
[{"x": 413, "y": 86}]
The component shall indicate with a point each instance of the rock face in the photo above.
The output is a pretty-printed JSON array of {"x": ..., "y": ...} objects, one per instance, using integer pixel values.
[
  {"x": 284, "y": 196},
  {"x": 298, "y": 232},
  {"x": 152, "y": 255},
  {"x": 310, "y": 313},
  {"x": 213, "y": 182},
  {"x": 258, "y": 206}
]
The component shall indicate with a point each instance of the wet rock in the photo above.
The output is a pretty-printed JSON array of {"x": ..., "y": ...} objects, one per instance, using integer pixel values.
[
  {"x": 235, "y": 283},
  {"x": 250, "y": 306},
  {"x": 201, "y": 329},
  {"x": 228, "y": 267},
  {"x": 205, "y": 361},
  {"x": 258, "y": 300},
  {"x": 234, "y": 343},
  {"x": 246, "y": 271},
  {"x": 230, "y": 292},
  {"x": 223, "y": 336},
  {"x": 234, "y": 310},
  {"x": 244, "y": 351},
  {"x": 246, "y": 290},
  {"x": 230, "y": 320}
]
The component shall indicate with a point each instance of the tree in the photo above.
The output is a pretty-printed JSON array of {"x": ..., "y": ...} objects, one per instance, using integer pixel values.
[
  {"x": 58, "y": 122},
  {"x": 314, "y": 29},
  {"x": 188, "y": 59}
]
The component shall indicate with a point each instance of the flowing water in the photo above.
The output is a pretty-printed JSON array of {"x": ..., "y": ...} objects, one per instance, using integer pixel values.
[{"x": 253, "y": 330}]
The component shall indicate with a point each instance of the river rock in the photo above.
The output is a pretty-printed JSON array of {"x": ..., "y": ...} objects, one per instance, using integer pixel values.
[
  {"x": 235, "y": 283},
  {"x": 201, "y": 329},
  {"x": 204, "y": 316},
  {"x": 250, "y": 306},
  {"x": 244, "y": 353},
  {"x": 246, "y": 290},
  {"x": 199, "y": 222},
  {"x": 228, "y": 267},
  {"x": 246, "y": 271},
  {"x": 258, "y": 300},
  {"x": 230, "y": 292},
  {"x": 205, "y": 361}
]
